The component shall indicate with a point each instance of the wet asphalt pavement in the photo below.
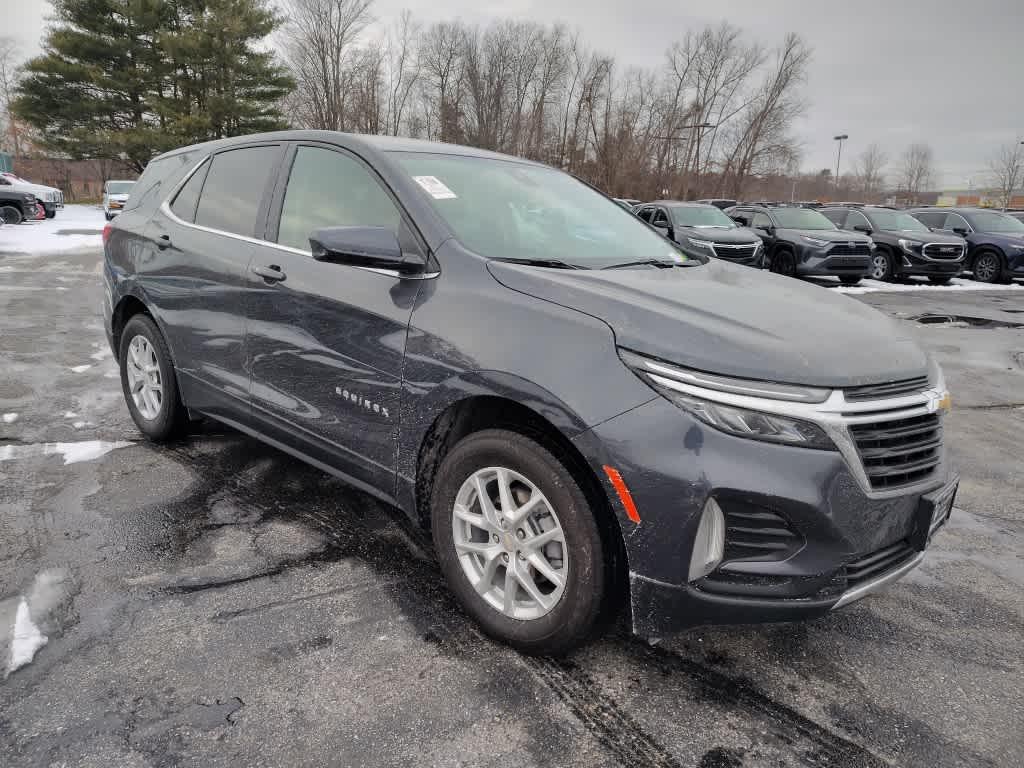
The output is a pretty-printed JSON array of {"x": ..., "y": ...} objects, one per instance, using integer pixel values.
[{"x": 216, "y": 603}]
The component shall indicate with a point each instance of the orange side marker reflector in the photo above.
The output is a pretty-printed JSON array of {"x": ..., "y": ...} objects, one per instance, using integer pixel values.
[{"x": 620, "y": 488}]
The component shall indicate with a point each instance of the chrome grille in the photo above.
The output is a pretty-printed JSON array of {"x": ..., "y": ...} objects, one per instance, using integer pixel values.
[
  {"x": 942, "y": 251},
  {"x": 888, "y": 389},
  {"x": 730, "y": 251},
  {"x": 898, "y": 452}
]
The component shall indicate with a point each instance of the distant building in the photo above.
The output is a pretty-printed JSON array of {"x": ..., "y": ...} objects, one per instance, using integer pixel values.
[{"x": 976, "y": 198}]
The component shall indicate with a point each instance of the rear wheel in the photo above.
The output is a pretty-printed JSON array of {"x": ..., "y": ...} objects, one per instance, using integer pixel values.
[
  {"x": 10, "y": 215},
  {"x": 148, "y": 381},
  {"x": 518, "y": 543},
  {"x": 987, "y": 267},
  {"x": 850, "y": 279}
]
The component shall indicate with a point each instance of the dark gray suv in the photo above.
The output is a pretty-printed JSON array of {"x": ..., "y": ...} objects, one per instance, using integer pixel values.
[{"x": 584, "y": 416}]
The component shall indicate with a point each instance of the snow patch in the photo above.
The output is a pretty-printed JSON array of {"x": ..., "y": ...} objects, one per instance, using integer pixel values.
[
  {"x": 956, "y": 284},
  {"x": 10, "y": 418},
  {"x": 78, "y": 424},
  {"x": 69, "y": 414},
  {"x": 25, "y": 640},
  {"x": 73, "y": 453},
  {"x": 80, "y": 368},
  {"x": 43, "y": 237}
]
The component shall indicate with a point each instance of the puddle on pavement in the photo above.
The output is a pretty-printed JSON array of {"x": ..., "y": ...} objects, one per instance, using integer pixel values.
[
  {"x": 86, "y": 450},
  {"x": 27, "y": 622},
  {"x": 963, "y": 321}
]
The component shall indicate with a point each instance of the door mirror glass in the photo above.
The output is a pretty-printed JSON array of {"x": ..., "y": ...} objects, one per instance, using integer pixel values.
[
  {"x": 960, "y": 231},
  {"x": 375, "y": 247},
  {"x": 862, "y": 228}
]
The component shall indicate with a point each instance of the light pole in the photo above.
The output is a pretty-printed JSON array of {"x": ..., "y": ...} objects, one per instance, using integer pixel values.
[{"x": 839, "y": 153}]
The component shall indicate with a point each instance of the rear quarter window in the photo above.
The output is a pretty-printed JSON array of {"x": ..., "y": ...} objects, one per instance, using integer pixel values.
[{"x": 146, "y": 193}]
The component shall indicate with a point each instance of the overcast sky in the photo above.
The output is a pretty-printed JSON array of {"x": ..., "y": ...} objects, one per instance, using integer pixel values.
[{"x": 950, "y": 73}]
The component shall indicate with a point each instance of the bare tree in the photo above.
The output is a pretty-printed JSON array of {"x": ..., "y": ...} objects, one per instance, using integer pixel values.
[
  {"x": 1007, "y": 167},
  {"x": 869, "y": 169},
  {"x": 916, "y": 170},
  {"x": 10, "y": 130},
  {"x": 321, "y": 46},
  {"x": 403, "y": 69}
]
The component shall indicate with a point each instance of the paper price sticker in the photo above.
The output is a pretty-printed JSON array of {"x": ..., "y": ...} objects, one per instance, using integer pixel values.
[{"x": 435, "y": 187}]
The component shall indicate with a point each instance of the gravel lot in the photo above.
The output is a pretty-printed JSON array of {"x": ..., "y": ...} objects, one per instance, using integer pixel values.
[{"x": 215, "y": 603}]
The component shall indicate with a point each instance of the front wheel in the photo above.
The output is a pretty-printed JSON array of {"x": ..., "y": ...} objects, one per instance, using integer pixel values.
[
  {"x": 108, "y": 216},
  {"x": 10, "y": 215},
  {"x": 783, "y": 262},
  {"x": 148, "y": 381},
  {"x": 518, "y": 542},
  {"x": 50, "y": 213},
  {"x": 987, "y": 268},
  {"x": 881, "y": 266}
]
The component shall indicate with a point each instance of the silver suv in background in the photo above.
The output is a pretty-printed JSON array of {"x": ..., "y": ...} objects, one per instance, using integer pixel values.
[{"x": 115, "y": 195}]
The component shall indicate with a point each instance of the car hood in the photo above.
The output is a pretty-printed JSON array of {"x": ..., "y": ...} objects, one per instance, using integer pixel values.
[
  {"x": 36, "y": 189},
  {"x": 723, "y": 318},
  {"x": 923, "y": 237},
  {"x": 119, "y": 198},
  {"x": 830, "y": 235},
  {"x": 734, "y": 236}
]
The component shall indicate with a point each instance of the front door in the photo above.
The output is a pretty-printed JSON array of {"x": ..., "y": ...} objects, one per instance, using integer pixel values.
[{"x": 327, "y": 341}]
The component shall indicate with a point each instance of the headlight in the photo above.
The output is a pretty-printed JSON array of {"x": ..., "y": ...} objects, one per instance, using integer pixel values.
[
  {"x": 683, "y": 387},
  {"x": 910, "y": 246},
  {"x": 703, "y": 244},
  {"x": 815, "y": 241}
]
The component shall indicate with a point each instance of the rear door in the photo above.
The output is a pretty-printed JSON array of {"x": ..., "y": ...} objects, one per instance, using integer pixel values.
[
  {"x": 204, "y": 237},
  {"x": 327, "y": 341}
]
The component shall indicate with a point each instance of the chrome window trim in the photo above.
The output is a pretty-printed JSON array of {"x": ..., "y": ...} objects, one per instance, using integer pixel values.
[
  {"x": 165, "y": 208},
  {"x": 834, "y": 416}
]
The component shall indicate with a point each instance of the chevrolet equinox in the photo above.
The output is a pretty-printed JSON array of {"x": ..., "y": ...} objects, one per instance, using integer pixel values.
[{"x": 583, "y": 414}]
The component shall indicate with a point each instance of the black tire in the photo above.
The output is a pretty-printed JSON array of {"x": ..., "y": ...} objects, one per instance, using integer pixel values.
[
  {"x": 172, "y": 418},
  {"x": 880, "y": 271},
  {"x": 783, "y": 262},
  {"x": 50, "y": 214},
  {"x": 108, "y": 216},
  {"x": 988, "y": 267},
  {"x": 572, "y": 620},
  {"x": 11, "y": 215},
  {"x": 939, "y": 279},
  {"x": 850, "y": 279}
]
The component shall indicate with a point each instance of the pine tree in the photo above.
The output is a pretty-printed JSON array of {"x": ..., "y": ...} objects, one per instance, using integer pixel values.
[{"x": 130, "y": 78}]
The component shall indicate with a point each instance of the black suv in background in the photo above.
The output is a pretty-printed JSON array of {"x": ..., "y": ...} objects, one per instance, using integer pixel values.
[
  {"x": 719, "y": 202},
  {"x": 995, "y": 241},
  {"x": 703, "y": 230},
  {"x": 903, "y": 245},
  {"x": 802, "y": 242},
  {"x": 576, "y": 409},
  {"x": 16, "y": 207}
]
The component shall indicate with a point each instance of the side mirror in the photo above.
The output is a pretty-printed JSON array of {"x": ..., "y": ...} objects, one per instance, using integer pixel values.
[
  {"x": 739, "y": 220},
  {"x": 375, "y": 247},
  {"x": 862, "y": 228},
  {"x": 960, "y": 231},
  {"x": 766, "y": 228}
]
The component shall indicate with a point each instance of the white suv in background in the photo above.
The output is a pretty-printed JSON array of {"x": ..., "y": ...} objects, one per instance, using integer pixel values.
[
  {"x": 50, "y": 198},
  {"x": 115, "y": 195}
]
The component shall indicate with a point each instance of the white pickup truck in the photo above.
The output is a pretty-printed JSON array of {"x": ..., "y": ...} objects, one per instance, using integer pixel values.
[{"x": 51, "y": 198}]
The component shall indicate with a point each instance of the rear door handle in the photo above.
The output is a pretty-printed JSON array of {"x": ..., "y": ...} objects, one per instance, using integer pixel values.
[
  {"x": 163, "y": 242},
  {"x": 271, "y": 274}
]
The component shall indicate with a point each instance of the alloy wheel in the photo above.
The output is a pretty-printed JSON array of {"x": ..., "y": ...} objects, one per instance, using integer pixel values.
[
  {"x": 879, "y": 266},
  {"x": 510, "y": 543},
  {"x": 144, "y": 382},
  {"x": 986, "y": 268}
]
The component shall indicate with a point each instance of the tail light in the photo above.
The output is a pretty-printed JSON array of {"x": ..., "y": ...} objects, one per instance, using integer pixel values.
[{"x": 106, "y": 233}]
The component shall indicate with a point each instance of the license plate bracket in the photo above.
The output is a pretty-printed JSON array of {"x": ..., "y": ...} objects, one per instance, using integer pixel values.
[{"x": 933, "y": 511}]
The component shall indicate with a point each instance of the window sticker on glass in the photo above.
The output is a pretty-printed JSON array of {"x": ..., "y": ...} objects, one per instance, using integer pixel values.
[{"x": 435, "y": 187}]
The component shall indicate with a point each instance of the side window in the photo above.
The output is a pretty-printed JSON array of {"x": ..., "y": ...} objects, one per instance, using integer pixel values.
[
  {"x": 743, "y": 216},
  {"x": 331, "y": 189},
  {"x": 645, "y": 213},
  {"x": 955, "y": 221},
  {"x": 856, "y": 219},
  {"x": 761, "y": 221},
  {"x": 660, "y": 218},
  {"x": 184, "y": 205},
  {"x": 836, "y": 216},
  {"x": 234, "y": 188},
  {"x": 931, "y": 219}
]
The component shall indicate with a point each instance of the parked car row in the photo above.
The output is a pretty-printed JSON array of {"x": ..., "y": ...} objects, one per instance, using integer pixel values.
[
  {"x": 50, "y": 199},
  {"x": 847, "y": 240}
]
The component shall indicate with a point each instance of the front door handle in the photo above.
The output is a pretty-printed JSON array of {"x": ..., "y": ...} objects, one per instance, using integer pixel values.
[
  {"x": 271, "y": 274},
  {"x": 163, "y": 242}
]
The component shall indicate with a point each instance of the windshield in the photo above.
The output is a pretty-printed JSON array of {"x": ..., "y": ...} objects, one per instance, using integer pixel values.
[
  {"x": 502, "y": 209},
  {"x": 687, "y": 216},
  {"x": 995, "y": 222},
  {"x": 119, "y": 187},
  {"x": 800, "y": 218},
  {"x": 895, "y": 221}
]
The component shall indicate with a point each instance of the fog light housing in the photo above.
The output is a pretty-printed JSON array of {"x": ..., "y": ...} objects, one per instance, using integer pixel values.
[{"x": 709, "y": 543}]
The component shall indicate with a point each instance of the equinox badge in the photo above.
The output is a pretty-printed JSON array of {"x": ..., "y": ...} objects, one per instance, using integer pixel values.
[{"x": 361, "y": 401}]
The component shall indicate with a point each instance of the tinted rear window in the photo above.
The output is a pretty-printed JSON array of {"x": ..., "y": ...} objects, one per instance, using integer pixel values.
[{"x": 234, "y": 187}]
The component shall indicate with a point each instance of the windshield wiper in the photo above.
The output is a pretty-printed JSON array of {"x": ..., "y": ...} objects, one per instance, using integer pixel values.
[
  {"x": 552, "y": 263},
  {"x": 662, "y": 263}
]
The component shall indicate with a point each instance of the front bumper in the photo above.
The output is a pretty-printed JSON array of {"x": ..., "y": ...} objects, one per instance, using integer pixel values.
[
  {"x": 824, "y": 262},
  {"x": 822, "y": 540}
]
